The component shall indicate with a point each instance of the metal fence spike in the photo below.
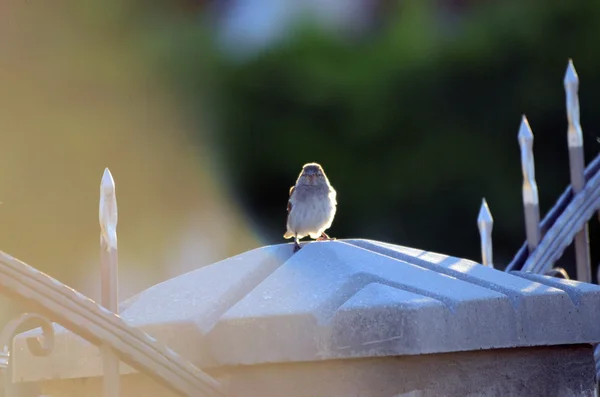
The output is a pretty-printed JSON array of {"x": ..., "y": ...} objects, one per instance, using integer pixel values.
[
  {"x": 485, "y": 222},
  {"x": 571, "y": 83},
  {"x": 525, "y": 133},
  {"x": 530, "y": 190},
  {"x": 109, "y": 282},
  {"x": 108, "y": 210},
  {"x": 571, "y": 76},
  {"x": 577, "y": 167}
]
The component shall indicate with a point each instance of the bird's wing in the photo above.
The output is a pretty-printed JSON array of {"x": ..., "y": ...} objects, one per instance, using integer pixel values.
[
  {"x": 289, "y": 206},
  {"x": 333, "y": 196}
]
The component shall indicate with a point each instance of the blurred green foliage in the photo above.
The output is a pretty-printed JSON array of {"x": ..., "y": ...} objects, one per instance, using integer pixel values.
[{"x": 414, "y": 123}]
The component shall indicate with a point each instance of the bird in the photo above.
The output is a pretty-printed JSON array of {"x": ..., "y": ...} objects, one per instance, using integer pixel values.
[{"x": 312, "y": 205}]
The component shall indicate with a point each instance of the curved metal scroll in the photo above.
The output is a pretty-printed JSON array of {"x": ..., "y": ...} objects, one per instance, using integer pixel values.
[
  {"x": 39, "y": 346},
  {"x": 99, "y": 326}
]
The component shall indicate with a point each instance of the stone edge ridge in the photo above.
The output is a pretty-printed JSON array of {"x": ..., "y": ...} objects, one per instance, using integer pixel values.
[{"x": 516, "y": 307}]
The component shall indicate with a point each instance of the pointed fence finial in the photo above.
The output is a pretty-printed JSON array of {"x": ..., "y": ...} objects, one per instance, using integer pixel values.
[
  {"x": 108, "y": 210},
  {"x": 530, "y": 190},
  {"x": 485, "y": 222},
  {"x": 577, "y": 167},
  {"x": 571, "y": 83},
  {"x": 109, "y": 279}
]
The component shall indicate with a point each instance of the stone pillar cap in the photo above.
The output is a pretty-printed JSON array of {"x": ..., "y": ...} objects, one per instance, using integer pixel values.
[{"x": 335, "y": 300}]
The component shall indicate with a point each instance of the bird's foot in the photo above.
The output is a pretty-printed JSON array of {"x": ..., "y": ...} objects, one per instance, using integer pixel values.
[
  {"x": 296, "y": 245},
  {"x": 324, "y": 237}
]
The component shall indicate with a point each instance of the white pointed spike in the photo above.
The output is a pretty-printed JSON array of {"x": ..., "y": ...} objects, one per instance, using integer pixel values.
[
  {"x": 571, "y": 82},
  {"x": 571, "y": 77},
  {"x": 525, "y": 133},
  {"x": 485, "y": 216},
  {"x": 108, "y": 215},
  {"x": 107, "y": 183},
  {"x": 577, "y": 168},
  {"x": 485, "y": 222},
  {"x": 530, "y": 194},
  {"x": 530, "y": 190}
]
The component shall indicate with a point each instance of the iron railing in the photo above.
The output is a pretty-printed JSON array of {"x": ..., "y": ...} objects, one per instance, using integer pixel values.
[
  {"x": 54, "y": 302},
  {"x": 567, "y": 222}
]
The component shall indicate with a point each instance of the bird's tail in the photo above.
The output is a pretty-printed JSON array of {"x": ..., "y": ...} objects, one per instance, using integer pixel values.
[{"x": 288, "y": 234}]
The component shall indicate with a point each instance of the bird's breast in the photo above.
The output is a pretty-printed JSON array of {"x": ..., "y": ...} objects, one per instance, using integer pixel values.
[{"x": 311, "y": 212}]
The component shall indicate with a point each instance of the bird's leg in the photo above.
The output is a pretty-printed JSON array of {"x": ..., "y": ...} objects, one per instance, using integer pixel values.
[
  {"x": 324, "y": 236},
  {"x": 296, "y": 244}
]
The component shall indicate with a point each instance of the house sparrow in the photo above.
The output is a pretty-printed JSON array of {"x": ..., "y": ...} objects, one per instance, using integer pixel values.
[{"x": 311, "y": 206}]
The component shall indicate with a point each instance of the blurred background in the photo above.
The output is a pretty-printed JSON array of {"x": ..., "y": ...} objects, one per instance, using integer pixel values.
[{"x": 206, "y": 110}]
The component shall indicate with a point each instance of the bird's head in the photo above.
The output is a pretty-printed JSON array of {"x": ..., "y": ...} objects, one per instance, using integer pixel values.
[{"x": 312, "y": 174}]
